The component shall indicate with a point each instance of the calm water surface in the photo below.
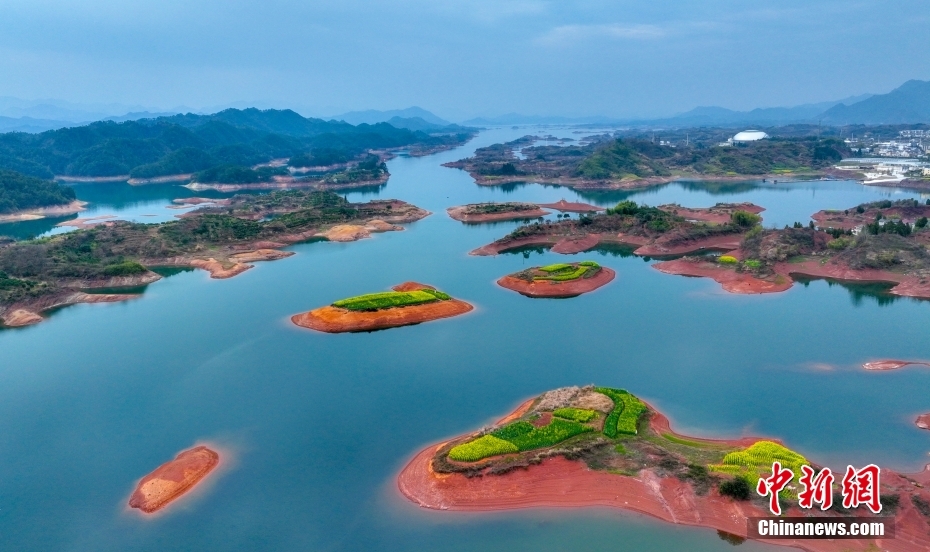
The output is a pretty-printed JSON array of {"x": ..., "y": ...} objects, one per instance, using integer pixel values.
[{"x": 316, "y": 426}]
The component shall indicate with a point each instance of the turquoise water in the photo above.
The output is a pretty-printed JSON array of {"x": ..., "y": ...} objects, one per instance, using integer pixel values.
[{"x": 316, "y": 426}]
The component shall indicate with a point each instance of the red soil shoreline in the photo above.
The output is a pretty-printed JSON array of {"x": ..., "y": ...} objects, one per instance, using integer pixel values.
[
  {"x": 905, "y": 285},
  {"x": 561, "y": 483},
  {"x": 547, "y": 288},
  {"x": 331, "y": 319},
  {"x": 173, "y": 479}
]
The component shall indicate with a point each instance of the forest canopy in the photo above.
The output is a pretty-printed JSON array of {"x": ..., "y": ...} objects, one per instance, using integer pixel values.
[{"x": 19, "y": 192}]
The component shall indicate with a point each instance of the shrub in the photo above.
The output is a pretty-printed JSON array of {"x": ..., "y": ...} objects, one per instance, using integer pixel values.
[
  {"x": 839, "y": 243},
  {"x": 389, "y": 299},
  {"x": 575, "y": 414},
  {"x": 744, "y": 219},
  {"x": 127, "y": 268},
  {"x": 752, "y": 263},
  {"x": 625, "y": 415},
  {"x": 564, "y": 275},
  {"x": 727, "y": 259},
  {"x": 737, "y": 489},
  {"x": 482, "y": 447},
  {"x": 589, "y": 263},
  {"x": 555, "y": 267}
]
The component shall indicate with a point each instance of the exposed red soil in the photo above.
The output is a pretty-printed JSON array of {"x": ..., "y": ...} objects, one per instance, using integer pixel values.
[
  {"x": 718, "y": 214},
  {"x": 27, "y": 315},
  {"x": 82, "y": 223},
  {"x": 260, "y": 255},
  {"x": 331, "y": 319},
  {"x": 172, "y": 479},
  {"x": 576, "y": 244},
  {"x": 561, "y": 483},
  {"x": 885, "y": 365},
  {"x": 905, "y": 285},
  {"x": 459, "y": 214},
  {"x": 571, "y": 206},
  {"x": 549, "y": 288},
  {"x": 660, "y": 247},
  {"x": 731, "y": 280},
  {"x": 75, "y": 206},
  {"x": 840, "y": 219},
  {"x": 923, "y": 421},
  {"x": 218, "y": 270}
]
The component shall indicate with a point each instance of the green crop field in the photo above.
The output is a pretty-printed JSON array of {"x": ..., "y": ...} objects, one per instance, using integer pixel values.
[
  {"x": 575, "y": 414},
  {"x": 625, "y": 415},
  {"x": 563, "y": 272},
  {"x": 480, "y": 448},
  {"x": 757, "y": 460},
  {"x": 389, "y": 299},
  {"x": 528, "y": 437},
  {"x": 555, "y": 267}
]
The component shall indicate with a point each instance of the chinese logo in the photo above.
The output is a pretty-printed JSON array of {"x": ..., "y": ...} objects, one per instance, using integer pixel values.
[{"x": 859, "y": 487}]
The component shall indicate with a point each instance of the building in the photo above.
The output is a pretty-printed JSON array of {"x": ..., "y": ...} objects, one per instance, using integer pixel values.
[{"x": 745, "y": 136}]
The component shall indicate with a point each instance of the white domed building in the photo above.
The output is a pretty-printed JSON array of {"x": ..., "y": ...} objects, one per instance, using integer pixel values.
[{"x": 748, "y": 136}]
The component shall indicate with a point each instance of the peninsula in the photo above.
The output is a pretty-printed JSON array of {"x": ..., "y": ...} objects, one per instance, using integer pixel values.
[
  {"x": 878, "y": 242},
  {"x": 407, "y": 304},
  {"x": 25, "y": 197},
  {"x": 632, "y": 163},
  {"x": 172, "y": 479},
  {"x": 560, "y": 280},
  {"x": 599, "y": 446},
  {"x": 223, "y": 239}
]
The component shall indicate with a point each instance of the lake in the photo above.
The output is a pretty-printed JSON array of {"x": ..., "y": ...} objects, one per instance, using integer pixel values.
[{"x": 315, "y": 427}]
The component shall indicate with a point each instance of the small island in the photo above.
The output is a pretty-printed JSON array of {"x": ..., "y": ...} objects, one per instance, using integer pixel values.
[
  {"x": 560, "y": 280},
  {"x": 24, "y": 197},
  {"x": 491, "y": 212},
  {"x": 407, "y": 304},
  {"x": 222, "y": 238},
  {"x": 604, "y": 447},
  {"x": 172, "y": 479}
]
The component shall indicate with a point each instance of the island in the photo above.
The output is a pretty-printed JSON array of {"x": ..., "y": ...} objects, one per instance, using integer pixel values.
[
  {"x": 604, "y": 447},
  {"x": 25, "y": 197},
  {"x": 878, "y": 242},
  {"x": 653, "y": 231},
  {"x": 608, "y": 163},
  {"x": 491, "y": 212},
  {"x": 405, "y": 305},
  {"x": 222, "y": 238},
  {"x": 172, "y": 479},
  {"x": 560, "y": 280}
]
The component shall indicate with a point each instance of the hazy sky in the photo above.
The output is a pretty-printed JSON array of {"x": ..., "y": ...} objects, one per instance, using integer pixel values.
[{"x": 462, "y": 58}]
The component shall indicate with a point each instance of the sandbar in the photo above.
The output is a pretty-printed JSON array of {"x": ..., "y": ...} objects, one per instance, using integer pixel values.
[{"x": 172, "y": 479}]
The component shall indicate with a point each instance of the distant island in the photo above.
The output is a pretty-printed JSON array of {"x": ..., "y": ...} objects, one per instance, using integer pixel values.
[
  {"x": 561, "y": 280},
  {"x": 654, "y": 231},
  {"x": 491, "y": 211},
  {"x": 882, "y": 241},
  {"x": 233, "y": 147},
  {"x": 406, "y": 304},
  {"x": 25, "y": 197},
  {"x": 172, "y": 479},
  {"x": 601, "y": 446},
  {"x": 615, "y": 164},
  {"x": 223, "y": 238}
]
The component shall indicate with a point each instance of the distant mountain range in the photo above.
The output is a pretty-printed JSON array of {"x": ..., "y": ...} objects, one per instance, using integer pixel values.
[
  {"x": 909, "y": 103},
  {"x": 372, "y": 116}
]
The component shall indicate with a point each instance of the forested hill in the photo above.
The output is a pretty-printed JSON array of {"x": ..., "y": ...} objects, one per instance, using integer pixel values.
[
  {"x": 190, "y": 143},
  {"x": 19, "y": 192}
]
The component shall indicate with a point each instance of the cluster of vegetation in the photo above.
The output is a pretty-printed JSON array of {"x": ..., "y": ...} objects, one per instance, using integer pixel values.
[
  {"x": 526, "y": 436},
  {"x": 575, "y": 414},
  {"x": 237, "y": 174},
  {"x": 19, "y": 192},
  {"x": 370, "y": 168},
  {"x": 494, "y": 208},
  {"x": 391, "y": 299},
  {"x": 119, "y": 249},
  {"x": 623, "y": 159},
  {"x": 183, "y": 144},
  {"x": 624, "y": 417}
]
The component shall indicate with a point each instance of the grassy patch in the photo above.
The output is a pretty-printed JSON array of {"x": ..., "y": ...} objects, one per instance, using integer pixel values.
[
  {"x": 555, "y": 267},
  {"x": 679, "y": 441},
  {"x": 756, "y": 461},
  {"x": 482, "y": 447},
  {"x": 389, "y": 299}
]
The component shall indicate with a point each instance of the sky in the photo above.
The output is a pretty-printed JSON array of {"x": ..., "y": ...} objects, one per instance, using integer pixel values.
[{"x": 461, "y": 58}]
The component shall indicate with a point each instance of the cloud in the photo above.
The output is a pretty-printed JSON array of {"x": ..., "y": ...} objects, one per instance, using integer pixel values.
[{"x": 570, "y": 34}]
